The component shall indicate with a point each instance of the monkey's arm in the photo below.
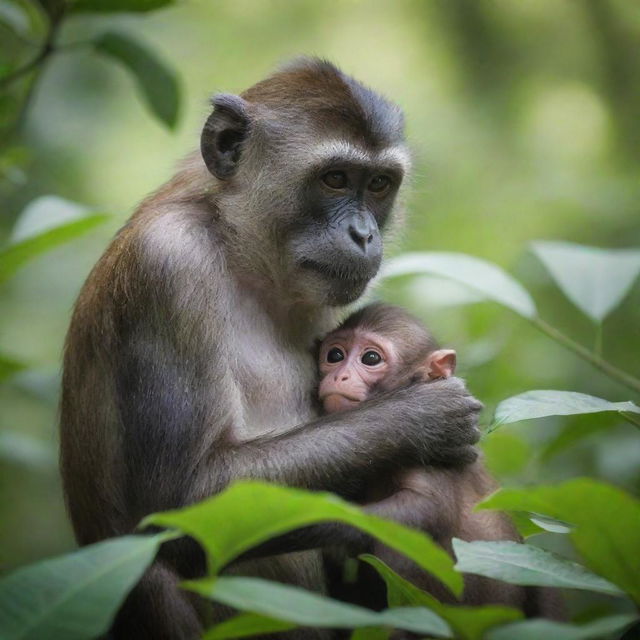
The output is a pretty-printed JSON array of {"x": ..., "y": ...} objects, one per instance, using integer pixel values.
[
  {"x": 177, "y": 397},
  {"x": 342, "y": 452}
]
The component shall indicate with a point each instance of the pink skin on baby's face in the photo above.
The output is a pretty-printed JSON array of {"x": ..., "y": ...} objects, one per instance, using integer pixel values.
[{"x": 351, "y": 362}]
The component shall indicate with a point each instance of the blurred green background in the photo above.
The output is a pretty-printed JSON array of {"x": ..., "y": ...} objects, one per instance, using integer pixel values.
[{"x": 525, "y": 122}]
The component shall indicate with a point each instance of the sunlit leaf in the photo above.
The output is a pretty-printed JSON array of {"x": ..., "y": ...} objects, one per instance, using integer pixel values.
[
  {"x": 46, "y": 222},
  {"x": 246, "y": 625},
  {"x": 307, "y": 609},
  {"x": 536, "y": 629},
  {"x": 483, "y": 277},
  {"x": 158, "y": 83},
  {"x": 604, "y": 521},
  {"x": 550, "y": 524},
  {"x": 248, "y": 513},
  {"x": 542, "y": 403},
  {"x": 526, "y": 565},
  {"x": 469, "y": 623},
  {"x": 74, "y": 597},
  {"x": 595, "y": 280},
  {"x": 112, "y": 6}
]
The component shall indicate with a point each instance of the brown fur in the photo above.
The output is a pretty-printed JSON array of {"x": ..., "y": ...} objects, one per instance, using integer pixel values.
[{"x": 189, "y": 359}]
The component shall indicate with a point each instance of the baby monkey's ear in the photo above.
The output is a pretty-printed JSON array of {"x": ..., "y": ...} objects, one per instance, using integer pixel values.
[{"x": 440, "y": 363}]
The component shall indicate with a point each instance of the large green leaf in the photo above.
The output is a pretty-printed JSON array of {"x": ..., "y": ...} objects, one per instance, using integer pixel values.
[
  {"x": 248, "y": 513},
  {"x": 483, "y": 277},
  {"x": 526, "y": 565},
  {"x": 595, "y": 280},
  {"x": 537, "y": 628},
  {"x": 74, "y": 597},
  {"x": 45, "y": 223},
  {"x": 158, "y": 83},
  {"x": 246, "y": 625},
  {"x": 547, "y": 402},
  {"x": 604, "y": 519},
  {"x": 111, "y": 6},
  {"x": 285, "y": 602},
  {"x": 469, "y": 623}
]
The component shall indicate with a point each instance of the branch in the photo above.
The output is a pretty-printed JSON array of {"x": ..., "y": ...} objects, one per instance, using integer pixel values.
[{"x": 607, "y": 368}]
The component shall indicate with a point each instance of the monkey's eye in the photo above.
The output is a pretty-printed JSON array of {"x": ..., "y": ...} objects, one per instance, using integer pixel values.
[
  {"x": 335, "y": 355},
  {"x": 379, "y": 184},
  {"x": 371, "y": 358},
  {"x": 335, "y": 179}
]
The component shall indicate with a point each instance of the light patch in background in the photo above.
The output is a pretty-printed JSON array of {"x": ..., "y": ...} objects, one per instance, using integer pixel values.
[{"x": 568, "y": 124}]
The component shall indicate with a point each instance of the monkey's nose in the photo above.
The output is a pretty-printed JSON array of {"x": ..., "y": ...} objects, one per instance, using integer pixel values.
[{"x": 360, "y": 232}]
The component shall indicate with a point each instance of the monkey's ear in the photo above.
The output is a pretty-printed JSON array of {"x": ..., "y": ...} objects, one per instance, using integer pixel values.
[
  {"x": 441, "y": 363},
  {"x": 223, "y": 134}
]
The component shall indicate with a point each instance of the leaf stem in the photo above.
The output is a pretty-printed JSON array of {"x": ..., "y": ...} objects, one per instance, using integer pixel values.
[
  {"x": 594, "y": 359},
  {"x": 633, "y": 418},
  {"x": 34, "y": 65}
]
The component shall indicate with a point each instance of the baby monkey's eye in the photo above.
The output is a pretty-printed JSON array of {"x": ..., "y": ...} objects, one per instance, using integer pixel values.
[
  {"x": 371, "y": 358},
  {"x": 335, "y": 355}
]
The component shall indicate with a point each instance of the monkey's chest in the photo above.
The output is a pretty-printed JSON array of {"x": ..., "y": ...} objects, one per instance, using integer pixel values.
[{"x": 274, "y": 389}]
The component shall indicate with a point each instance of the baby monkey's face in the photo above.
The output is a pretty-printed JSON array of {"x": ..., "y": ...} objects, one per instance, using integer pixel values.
[{"x": 351, "y": 363}]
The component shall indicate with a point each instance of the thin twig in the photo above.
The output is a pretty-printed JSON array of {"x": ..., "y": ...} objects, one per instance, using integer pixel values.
[
  {"x": 34, "y": 65},
  {"x": 607, "y": 368}
]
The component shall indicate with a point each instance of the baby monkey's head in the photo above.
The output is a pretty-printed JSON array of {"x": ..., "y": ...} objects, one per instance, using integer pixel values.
[{"x": 379, "y": 348}]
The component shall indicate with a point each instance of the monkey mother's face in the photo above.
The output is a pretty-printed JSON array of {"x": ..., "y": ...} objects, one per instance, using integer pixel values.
[{"x": 335, "y": 240}]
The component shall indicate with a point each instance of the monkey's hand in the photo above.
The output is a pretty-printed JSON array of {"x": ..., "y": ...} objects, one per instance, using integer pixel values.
[{"x": 449, "y": 420}]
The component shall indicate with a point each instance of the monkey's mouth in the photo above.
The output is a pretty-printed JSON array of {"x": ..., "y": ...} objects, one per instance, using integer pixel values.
[
  {"x": 336, "y": 403},
  {"x": 346, "y": 277}
]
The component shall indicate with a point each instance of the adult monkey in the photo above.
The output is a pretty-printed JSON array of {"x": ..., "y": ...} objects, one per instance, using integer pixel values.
[{"x": 189, "y": 361}]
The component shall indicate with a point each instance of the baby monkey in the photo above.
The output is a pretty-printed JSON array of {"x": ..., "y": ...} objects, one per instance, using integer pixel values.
[{"x": 377, "y": 349}]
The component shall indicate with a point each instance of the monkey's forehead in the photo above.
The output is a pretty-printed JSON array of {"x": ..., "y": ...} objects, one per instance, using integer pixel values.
[
  {"x": 315, "y": 91},
  {"x": 396, "y": 158}
]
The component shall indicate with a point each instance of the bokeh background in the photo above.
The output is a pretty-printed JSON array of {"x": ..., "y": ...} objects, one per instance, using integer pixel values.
[{"x": 524, "y": 118}]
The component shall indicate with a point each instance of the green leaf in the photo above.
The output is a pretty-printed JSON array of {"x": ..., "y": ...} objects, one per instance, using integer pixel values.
[
  {"x": 158, "y": 83},
  {"x": 468, "y": 622},
  {"x": 604, "y": 521},
  {"x": 75, "y": 596},
  {"x": 549, "y": 524},
  {"x": 526, "y": 565},
  {"x": 112, "y": 6},
  {"x": 9, "y": 367},
  {"x": 285, "y": 602},
  {"x": 246, "y": 625},
  {"x": 247, "y": 513},
  {"x": 47, "y": 222},
  {"x": 543, "y": 403},
  {"x": 595, "y": 280},
  {"x": 483, "y": 277},
  {"x": 537, "y": 628},
  {"x": 523, "y": 523}
]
